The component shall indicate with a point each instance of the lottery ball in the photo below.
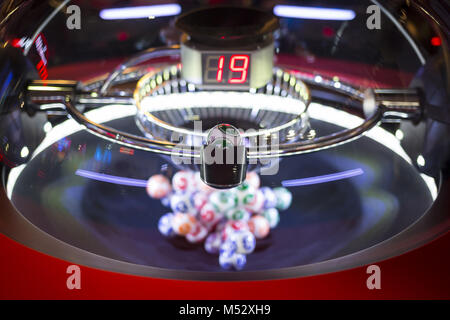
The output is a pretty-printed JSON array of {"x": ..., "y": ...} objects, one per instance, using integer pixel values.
[
  {"x": 272, "y": 216},
  {"x": 245, "y": 193},
  {"x": 199, "y": 199},
  {"x": 257, "y": 204},
  {"x": 253, "y": 179},
  {"x": 183, "y": 181},
  {"x": 244, "y": 241},
  {"x": 209, "y": 217},
  {"x": 238, "y": 214},
  {"x": 259, "y": 226},
  {"x": 183, "y": 223},
  {"x": 240, "y": 261},
  {"x": 228, "y": 248},
  {"x": 213, "y": 243},
  {"x": 236, "y": 261},
  {"x": 181, "y": 202},
  {"x": 226, "y": 261},
  {"x": 165, "y": 225},
  {"x": 197, "y": 234},
  {"x": 284, "y": 198},
  {"x": 270, "y": 199},
  {"x": 223, "y": 201},
  {"x": 166, "y": 201},
  {"x": 158, "y": 186},
  {"x": 231, "y": 226}
]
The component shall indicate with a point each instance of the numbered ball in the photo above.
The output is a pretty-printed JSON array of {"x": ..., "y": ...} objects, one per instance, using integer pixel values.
[
  {"x": 183, "y": 223},
  {"x": 253, "y": 179},
  {"x": 231, "y": 226},
  {"x": 236, "y": 261},
  {"x": 259, "y": 226},
  {"x": 183, "y": 181},
  {"x": 257, "y": 204},
  {"x": 272, "y": 216},
  {"x": 228, "y": 248},
  {"x": 209, "y": 217},
  {"x": 181, "y": 202},
  {"x": 199, "y": 199},
  {"x": 284, "y": 198},
  {"x": 158, "y": 186},
  {"x": 165, "y": 225},
  {"x": 245, "y": 194},
  {"x": 223, "y": 200},
  {"x": 244, "y": 241},
  {"x": 238, "y": 214},
  {"x": 240, "y": 260},
  {"x": 270, "y": 199},
  {"x": 213, "y": 243},
  {"x": 166, "y": 201},
  {"x": 197, "y": 234}
]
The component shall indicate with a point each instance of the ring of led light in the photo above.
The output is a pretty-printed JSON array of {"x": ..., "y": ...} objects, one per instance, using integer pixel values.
[{"x": 157, "y": 93}]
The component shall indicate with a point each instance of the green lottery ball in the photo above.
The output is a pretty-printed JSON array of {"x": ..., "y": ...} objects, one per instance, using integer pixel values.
[
  {"x": 245, "y": 194},
  {"x": 238, "y": 214},
  {"x": 223, "y": 201},
  {"x": 284, "y": 198},
  {"x": 272, "y": 216}
]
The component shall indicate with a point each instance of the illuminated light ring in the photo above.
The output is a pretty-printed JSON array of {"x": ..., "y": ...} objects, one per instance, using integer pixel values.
[{"x": 151, "y": 96}]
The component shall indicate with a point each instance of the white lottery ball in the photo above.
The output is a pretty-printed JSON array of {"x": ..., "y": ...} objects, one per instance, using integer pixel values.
[
  {"x": 183, "y": 223},
  {"x": 253, "y": 179},
  {"x": 158, "y": 186},
  {"x": 245, "y": 241},
  {"x": 272, "y": 216},
  {"x": 181, "y": 202},
  {"x": 259, "y": 226},
  {"x": 284, "y": 198}
]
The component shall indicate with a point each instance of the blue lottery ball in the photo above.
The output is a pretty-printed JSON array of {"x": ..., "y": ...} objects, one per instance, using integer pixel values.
[
  {"x": 165, "y": 225},
  {"x": 240, "y": 260},
  {"x": 226, "y": 261},
  {"x": 181, "y": 202},
  {"x": 166, "y": 201},
  {"x": 228, "y": 248},
  {"x": 270, "y": 199}
]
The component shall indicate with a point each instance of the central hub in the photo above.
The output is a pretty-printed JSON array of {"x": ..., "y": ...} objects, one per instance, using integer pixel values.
[{"x": 223, "y": 158}]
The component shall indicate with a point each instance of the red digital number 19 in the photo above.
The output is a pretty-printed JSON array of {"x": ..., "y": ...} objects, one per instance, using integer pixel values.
[{"x": 234, "y": 68}]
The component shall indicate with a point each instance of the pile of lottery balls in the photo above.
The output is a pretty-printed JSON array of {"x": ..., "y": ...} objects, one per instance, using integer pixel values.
[{"x": 228, "y": 222}]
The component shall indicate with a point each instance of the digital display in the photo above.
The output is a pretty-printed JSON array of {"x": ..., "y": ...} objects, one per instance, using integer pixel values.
[{"x": 226, "y": 69}]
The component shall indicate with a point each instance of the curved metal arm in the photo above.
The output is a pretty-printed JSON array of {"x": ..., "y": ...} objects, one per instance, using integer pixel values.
[
  {"x": 170, "y": 148},
  {"x": 151, "y": 53}
]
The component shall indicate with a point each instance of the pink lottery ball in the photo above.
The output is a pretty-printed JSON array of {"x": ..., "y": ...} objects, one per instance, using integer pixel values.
[
  {"x": 183, "y": 181},
  {"x": 232, "y": 226},
  {"x": 200, "y": 199},
  {"x": 253, "y": 179},
  {"x": 209, "y": 217},
  {"x": 158, "y": 186},
  {"x": 183, "y": 223},
  {"x": 259, "y": 226},
  {"x": 197, "y": 234}
]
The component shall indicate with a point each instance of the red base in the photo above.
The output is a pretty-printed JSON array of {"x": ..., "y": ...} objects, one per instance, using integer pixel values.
[{"x": 419, "y": 274}]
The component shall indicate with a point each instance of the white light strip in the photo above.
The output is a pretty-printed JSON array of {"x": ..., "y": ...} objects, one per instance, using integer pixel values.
[
  {"x": 316, "y": 13},
  {"x": 348, "y": 121},
  {"x": 161, "y": 10}
]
